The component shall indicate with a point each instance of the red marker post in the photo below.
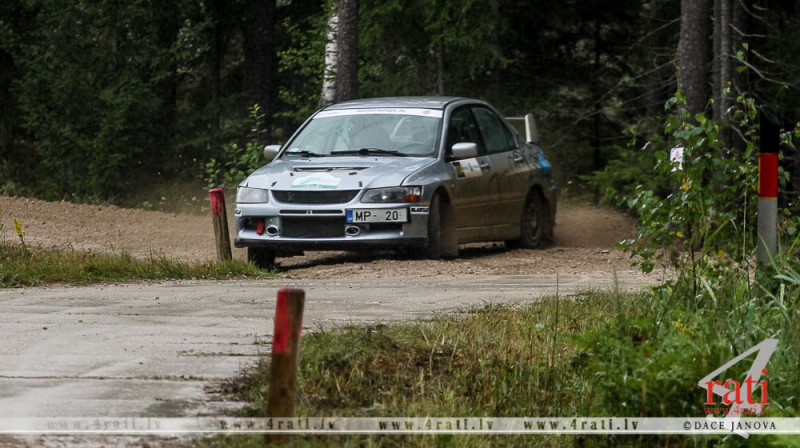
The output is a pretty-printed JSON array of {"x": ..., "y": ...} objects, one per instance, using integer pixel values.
[
  {"x": 219, "y": 216},
  {"x": 767, "y": 231},
  {"x": 285, "y": 352}
]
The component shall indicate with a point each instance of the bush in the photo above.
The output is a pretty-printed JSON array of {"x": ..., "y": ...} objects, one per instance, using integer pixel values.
[
  {"x": 237, "y": 160},
  {"x": 716, "y": 305}
]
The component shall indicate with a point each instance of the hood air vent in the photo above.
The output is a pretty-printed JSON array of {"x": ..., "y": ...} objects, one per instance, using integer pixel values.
[{"x": 317, "y": 169}]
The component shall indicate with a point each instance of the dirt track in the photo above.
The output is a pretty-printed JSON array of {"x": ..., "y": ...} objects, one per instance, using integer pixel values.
[
  {"x": 153, "y": 349},
  {"x": 585, "y": 236}
]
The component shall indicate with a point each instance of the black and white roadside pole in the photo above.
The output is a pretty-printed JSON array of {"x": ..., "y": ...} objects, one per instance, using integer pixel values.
[{"x": 766, "y": 245}]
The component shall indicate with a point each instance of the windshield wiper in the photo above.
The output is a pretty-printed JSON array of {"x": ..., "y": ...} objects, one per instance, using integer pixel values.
[
  {"x": 304, "y": 153},
  {"x": 369, "y": 151}
]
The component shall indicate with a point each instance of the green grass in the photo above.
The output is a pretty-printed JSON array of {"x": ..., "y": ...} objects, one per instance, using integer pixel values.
[
  {"x": 498, "y": 361},
  {"x": 601, "y": 354},
  {"x": 21, "y": 266}
]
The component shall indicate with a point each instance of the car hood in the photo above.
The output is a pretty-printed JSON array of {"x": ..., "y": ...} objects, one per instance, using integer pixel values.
[{"x": 332, "y": 173}]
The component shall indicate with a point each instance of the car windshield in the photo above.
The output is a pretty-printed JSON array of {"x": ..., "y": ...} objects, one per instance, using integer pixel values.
[{"x": 369, "y": 132}]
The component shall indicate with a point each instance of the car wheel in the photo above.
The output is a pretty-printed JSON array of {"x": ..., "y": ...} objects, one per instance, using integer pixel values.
[
  {"x": 261, "y": 258},
  {"x": 442, "y": 238},
  {"x": 535, "y": 225}
]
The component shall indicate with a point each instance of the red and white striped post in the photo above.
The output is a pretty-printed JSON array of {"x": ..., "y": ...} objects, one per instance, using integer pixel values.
[
  {"x": 285, "y": 352},
  {"x": 219, "y": 216},
  {"x": 767, "y": 231}
]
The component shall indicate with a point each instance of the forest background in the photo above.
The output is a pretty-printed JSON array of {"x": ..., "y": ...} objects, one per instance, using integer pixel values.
[{"x": 100, "y": 100}]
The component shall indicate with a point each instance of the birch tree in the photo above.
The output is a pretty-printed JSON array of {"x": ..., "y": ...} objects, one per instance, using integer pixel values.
[
  {"x": 340, "y": 76},
  {"x": 328, "y": 95}
]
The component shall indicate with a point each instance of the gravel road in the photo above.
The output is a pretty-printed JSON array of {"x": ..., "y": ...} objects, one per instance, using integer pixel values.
[
  {"x": 585, "y": 238},
  {"x": 158, "y": 349}
]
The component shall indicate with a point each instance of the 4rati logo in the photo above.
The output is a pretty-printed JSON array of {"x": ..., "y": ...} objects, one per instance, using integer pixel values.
[{"x": 749, "y": 397}]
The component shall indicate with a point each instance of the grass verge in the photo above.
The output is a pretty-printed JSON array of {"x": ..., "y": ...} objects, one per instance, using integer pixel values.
[
  {"x": 601, "y": 354},
  {"x": 21, "y": 266},
  {"x": 494, "y": 361}
]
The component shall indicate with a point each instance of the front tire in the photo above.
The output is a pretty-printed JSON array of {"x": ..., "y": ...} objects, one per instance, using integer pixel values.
[
  {"x": 261, "y": 258},
  {"x": 442, "y": 237}
]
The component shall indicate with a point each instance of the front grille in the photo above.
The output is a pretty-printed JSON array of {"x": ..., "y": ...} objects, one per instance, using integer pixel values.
[
  {"x": 297, "y": 227},
  {"x": 315, "y": 197}
]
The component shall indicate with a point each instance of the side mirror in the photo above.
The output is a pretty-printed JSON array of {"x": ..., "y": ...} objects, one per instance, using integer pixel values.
[
  {"x": 465, "y": 150},
  {"x": 270, "y": 151}
]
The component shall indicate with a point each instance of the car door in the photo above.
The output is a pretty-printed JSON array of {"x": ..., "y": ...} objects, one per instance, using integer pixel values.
[
  {"x": 511, "y": 171},
  {"x": 473, "y": 198}
]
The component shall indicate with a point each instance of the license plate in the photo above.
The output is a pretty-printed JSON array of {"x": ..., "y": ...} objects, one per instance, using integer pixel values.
[{"x": 377, "y": 215}]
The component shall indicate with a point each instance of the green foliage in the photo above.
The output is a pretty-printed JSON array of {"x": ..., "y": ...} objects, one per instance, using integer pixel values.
[
  {"x": 623, "y": 176},
  {"x": 711, "y": 309},
  {"x": 709, "y": 215},
  {"x": 237, "y": 161},
  {"x": 89, "y": 96},
  {"x": 300, "y": 67},
  {"x": 641, "y": 372},
  {"x": 100, "y": 97},
  {"x": 631, "y": 168},
  {"x": 651, "y": 366},
  {"x": 402, "y": 40}
]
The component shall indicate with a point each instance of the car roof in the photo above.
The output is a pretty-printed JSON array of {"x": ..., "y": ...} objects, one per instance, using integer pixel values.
[{"x": 426, "y": 102}]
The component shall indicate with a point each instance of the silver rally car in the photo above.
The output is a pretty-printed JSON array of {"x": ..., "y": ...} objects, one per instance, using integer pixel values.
[{"x": 423, "y": 174}]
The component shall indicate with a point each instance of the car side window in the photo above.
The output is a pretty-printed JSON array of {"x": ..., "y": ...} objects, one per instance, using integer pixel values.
[
  {"x": 462, "y": 128},
  {"x": 496, "y": 135}
]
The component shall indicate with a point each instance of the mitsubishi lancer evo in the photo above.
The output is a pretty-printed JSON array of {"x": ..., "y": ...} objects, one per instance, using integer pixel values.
[{"x": 419, "y": 174}]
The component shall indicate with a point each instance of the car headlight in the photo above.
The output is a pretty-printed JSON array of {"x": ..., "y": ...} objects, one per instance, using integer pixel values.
[
  {"x": 247, "y": 195},
  {"x": 393, "y": 194}
]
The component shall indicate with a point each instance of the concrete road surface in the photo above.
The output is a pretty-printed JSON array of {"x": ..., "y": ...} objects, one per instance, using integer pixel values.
[{"x": 149, "y": 350}]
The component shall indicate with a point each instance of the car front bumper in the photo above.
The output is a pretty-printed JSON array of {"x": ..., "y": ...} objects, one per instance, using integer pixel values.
[{"x": 287, "y": 227}]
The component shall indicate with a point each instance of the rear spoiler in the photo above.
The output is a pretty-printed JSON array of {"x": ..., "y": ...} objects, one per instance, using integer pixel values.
[{"x": 531, "y": 131}]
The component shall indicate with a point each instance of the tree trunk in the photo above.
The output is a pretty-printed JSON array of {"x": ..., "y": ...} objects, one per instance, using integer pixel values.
[
  {"x": 259, "y": 30},
  {"x": 716, "y": 85},
  {"x": 740, "y": 18},
  {"x": 215, "y": 66},
  {"x": 724, "y": 55},
  {"x": 328, "y": 95},
  {"x": 596, "y": 95},
  {"x": 440, "y": 66},
  {"x": 655, "y": 93},
  {"x": 215, "y": 13},
  {"x": 347, "y": 66},
  {"x": 723, "y": 62},
  {"x": 166, "y": 85},
  {"x": 694, "y": 47}
]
